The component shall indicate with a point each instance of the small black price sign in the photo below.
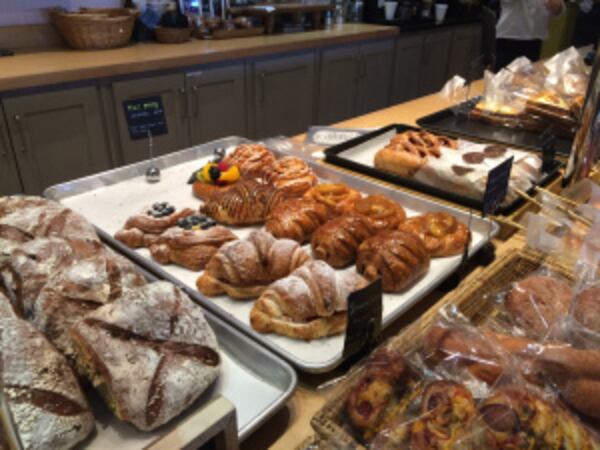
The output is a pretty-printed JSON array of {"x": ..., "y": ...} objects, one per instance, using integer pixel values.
[
  {"x": 548, "y": 148},
  {"x": 145, "y": 115},
  {"x": 497, "y": 186},
  {"x": 365, "y": 308}
]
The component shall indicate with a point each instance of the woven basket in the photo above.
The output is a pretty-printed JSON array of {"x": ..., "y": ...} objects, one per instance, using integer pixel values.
[
  {"x": 330, "y": 422},
  {"x": 172, "y": 35},
  {"x": 93, "y": 29}
]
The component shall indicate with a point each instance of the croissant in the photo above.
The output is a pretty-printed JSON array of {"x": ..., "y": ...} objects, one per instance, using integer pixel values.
[
  {"x": 310, "y": 303},
  {"x": 191, "y": 249},
  {"x": 296, "y": 219},
  {"x": 397, "y": 257},
  {"x": 244, "y": 268},
  {"x": 337, "y": 241},
  {"x": 248, "y": 202}
]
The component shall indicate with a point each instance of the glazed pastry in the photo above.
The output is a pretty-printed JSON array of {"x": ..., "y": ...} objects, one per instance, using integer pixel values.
[
  {"x": 447, "y": 415},
  {"x": 253, "y": 160},
  {"x": 383, "y": 213},
  {"x": 310, "y": 303},
  {"x": 586, "y": 308},
  {"x": 537, "y": 302},
  {"x": 77, "y": 289},
  {"x": 156, "y": 338},
  {"x": 212, "y": 178},
  {"x": 338, "y": 197},
  {"x": 48, "y": 408},
  {"x": 337, "y": 241},
  {"x": 397, "y": 257},
  {"x": 292, "y": 175},
  {"x": 143, "y": 229},
  {"x": 296, "y": 219},
  {"x": 191, "y": 249},
  {"x": 248, "y": 202},
  {"x": 246, "y": 267},
  {"x": 441, "y": 233}
]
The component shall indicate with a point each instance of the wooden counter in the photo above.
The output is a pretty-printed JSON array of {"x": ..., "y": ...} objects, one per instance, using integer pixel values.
[{"x": 61, "y": 66}]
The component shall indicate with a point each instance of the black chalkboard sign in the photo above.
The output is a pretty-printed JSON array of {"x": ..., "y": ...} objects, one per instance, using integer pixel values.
[
  {"x": 143, "y": 115},
  {"x": 365, "y": 308},
  {"x": 497, "y": 186}
]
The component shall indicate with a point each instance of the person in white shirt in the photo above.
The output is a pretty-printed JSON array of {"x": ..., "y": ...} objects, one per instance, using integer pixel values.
[{"x": 522, "y": 27}]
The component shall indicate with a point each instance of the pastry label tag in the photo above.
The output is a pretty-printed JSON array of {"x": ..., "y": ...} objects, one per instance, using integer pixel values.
[
  {"x": 548, "y": 149},
  {"x": 365, "y": 308},
  {"x": 497, "y": 186},
  {"x": 145, "y": 115},
  {"x": 327, "y": 136}
]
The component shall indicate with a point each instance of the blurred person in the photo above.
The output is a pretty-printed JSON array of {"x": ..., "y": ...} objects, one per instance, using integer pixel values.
[{"x": 587, "y": 25}]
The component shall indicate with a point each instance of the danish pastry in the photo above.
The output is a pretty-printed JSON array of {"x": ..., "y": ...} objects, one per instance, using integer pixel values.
[
  {"x": 383, "y": 213},
  {"x": 397, "y": 257},
  {"x": 310, "y": 303},
  {"x": 292, "y": 175},
  {"x": 441, "y": 233},
  {"x": 338, "y": 197},
  {"x": 296, "y": 219},
  {"x": 252, "y": 160},
  {"x": 337, "y": 241}
]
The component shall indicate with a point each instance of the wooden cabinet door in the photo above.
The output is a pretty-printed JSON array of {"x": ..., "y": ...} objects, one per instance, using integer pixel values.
[
  {"x": 338, "y": 84},
  {"x": 434, "y": 62},
  {"x": 57, "y": 136},
  {"x": 284, "y": 92},
  {"x": 375, "y": 76},
  {"x": 407, "y": 67},
  {"x": 466, "y": 48},
  {"x": 171, "y": 89},
  {"x": 217, "y": 102},
  {"x": 9, "y": 175}
]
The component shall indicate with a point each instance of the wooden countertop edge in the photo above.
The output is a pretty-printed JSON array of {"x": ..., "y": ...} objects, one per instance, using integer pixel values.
[{"x": 141, "y": 65}]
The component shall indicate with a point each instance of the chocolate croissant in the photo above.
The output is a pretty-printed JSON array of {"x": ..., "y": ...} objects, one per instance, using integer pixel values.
[
  {"x": 248, "y": 202},
  {"x": 296, "y": 219},
  {"x": 245, "y": 268},
  {"x": 310, "y": 303},
  {"x": 397, "y": 257},
  {"x": 337, "y": 241}
]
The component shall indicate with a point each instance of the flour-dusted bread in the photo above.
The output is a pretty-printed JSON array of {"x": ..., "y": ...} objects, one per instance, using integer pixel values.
[
  {"x": 46, "y": 402},
  {"x": 150, "y": 354}
]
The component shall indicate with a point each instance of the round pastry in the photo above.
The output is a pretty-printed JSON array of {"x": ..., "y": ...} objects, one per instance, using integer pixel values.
[
  {"x": 397, "y": 257},
  {"x": 292, "y": 175},
  {"x": 586, "y": 308},
  {"x": 296, "y": 219},
  {"x": 338, "y": 197},
  {"x": 538, "y": 302},
  {"x": 383, "y": 213},
  {"x": 253, "y": 160},
  {"x": 212, "y": 178},
  {"x": 401, "y": 159},
  {"x": 441, "y": 233},
  {"x": 423, "y": 140}
]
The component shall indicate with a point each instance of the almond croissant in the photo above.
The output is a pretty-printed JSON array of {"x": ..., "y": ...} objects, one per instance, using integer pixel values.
[
  {"x": 244, "y": 268},
  {"x": 308, "y": 304}
]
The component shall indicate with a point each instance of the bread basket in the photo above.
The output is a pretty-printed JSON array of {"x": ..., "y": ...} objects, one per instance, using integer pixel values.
[
  {"x": 166, "y": 35},
  {"x": 92, "y": 29}
]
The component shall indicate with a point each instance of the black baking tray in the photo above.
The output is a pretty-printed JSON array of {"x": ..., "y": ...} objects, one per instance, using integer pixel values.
[
  {"x": 332, "y": 155},
  {"x": 446, "y": 121}
]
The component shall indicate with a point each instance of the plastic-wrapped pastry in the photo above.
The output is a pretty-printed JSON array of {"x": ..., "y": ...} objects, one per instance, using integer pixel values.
[
  {"x": 245, "y": 268},
  {"x": 441, "y": 233},
  {"x": 337, "y": 241},
  {"x": 252, "y": 160},
  {"x": 397, "y": 257},
  {"x": 383, "y": 213},
  {"x": 296, "y": 219},
  {"x": 292, "y": 175},
  {"x": 338, "y": 197},
  {"x": 309, "y": 303}
]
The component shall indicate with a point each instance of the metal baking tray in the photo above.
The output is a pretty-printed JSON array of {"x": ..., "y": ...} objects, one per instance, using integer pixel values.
[
  {"x": 253, "y": 379},
  {"x": 108, "y": 199},
  {"x": 446, "y": 121},
  {"x": 340, "y": 156}
]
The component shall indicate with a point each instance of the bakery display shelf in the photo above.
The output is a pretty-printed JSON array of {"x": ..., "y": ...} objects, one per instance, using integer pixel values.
[
  {"x": 447, "y": 121},
  {"x": 108, "y": 199},
  {"x": 357, "y": 154},
  {"x": 472, "y": 299},
  {"x": 253, "y": 380}
]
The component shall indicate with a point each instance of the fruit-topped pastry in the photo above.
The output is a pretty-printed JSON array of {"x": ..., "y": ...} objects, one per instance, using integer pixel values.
[{"x": 213, "y": 177}]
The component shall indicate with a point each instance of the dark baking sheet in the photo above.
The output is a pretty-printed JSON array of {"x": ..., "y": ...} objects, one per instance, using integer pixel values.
[
  {"x": 334, "y": 155},
  {"x": 446, "y": 121}
]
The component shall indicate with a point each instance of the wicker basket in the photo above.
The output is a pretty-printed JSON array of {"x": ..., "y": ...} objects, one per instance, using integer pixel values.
[
  {"x": 172, "y": 35},
  {"x": 93, "y": 29},
  {"x": 330, "y": 422}
]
